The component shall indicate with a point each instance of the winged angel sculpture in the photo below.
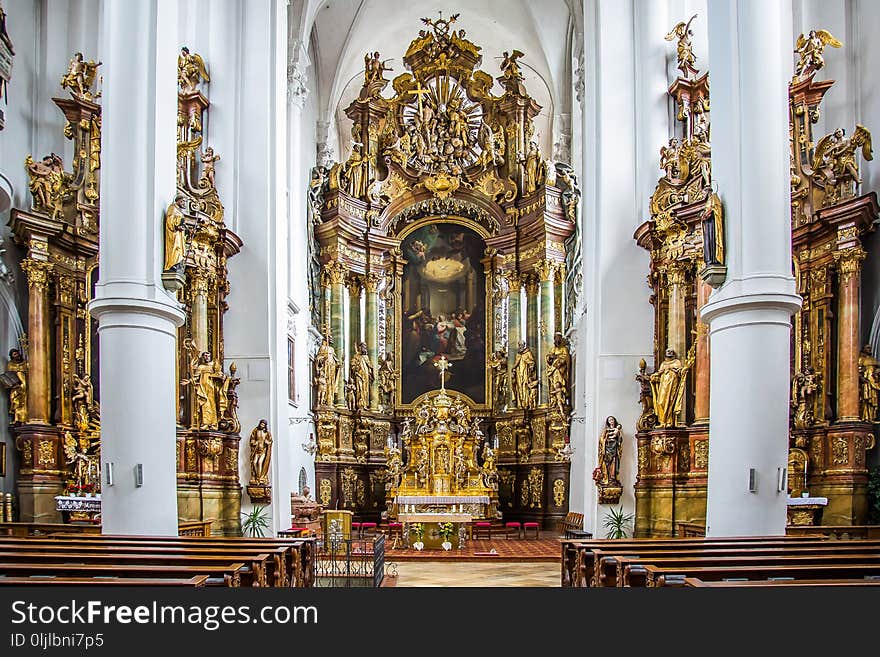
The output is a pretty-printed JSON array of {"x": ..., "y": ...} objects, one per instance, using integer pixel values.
[
  {"x": 190, "y": 70},
  {"x": 835, "y": 164},
  {"x": 686, "y": 58},
  {"x": 809, "y": 48}
]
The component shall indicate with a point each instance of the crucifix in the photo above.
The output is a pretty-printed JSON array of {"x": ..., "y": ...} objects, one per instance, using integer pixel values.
[
  {"x": 418, "y": 92},
  {"x": 442, "y": 364}
]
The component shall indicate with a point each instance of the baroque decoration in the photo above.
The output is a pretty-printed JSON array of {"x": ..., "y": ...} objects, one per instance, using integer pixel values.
[
  {"x": 685, "y": 238},
  {"x": 52, "y": 376},
  {"x": 452, "y": 225},
  {"x": 834, "y": 377},
  {"x": 197, "y": 246}
]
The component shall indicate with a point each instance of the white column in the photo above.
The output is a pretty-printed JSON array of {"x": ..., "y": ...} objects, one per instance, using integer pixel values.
[
  {"x": 750, "y": 45},
  {"x": 137, "y": 317}
]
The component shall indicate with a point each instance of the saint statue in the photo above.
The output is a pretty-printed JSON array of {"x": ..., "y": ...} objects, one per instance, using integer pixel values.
[
  {"x": 326, "y": 371},
  {"x": 558, "y": 374},
  {"x": 15, "y": 379},
  {"x": 610, "y": 446},
  {"x": 355, "y": 172},
  {"x": 394, "y": 467},
  {"x": 261, "y": 453},
  {"x": 525, "y": 378},
  {"x": 668, "y": 388},
  {"x": 500, "y": 384},
  {"x": 648, "y": 419},
  {"x": 532, "y": 167},
  {"x": 386, "y": 380},
  {"x": 869, "y": 380},
  {"x": 207, "y": 380},
  {"x": 83, "y": 400},
  {"x": 362, "y": 376},
  {"x": 805, "y": 386},
  {"x": 175, "y": 235}
]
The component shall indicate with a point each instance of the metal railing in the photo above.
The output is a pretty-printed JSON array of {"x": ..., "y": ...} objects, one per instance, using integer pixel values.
[{"x": 352, "y": 562}]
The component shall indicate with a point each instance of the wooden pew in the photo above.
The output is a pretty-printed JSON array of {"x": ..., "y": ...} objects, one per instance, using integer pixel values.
[
  {"x": 633, "y": 572},
  {"x": 607, "y": 564},
  {"x": 228, "y": 575},
  {"x": 45, "y": 528},
  {"x": 660, "y": 576},
  {"x": 253, "y": 574},
  {"x": 275, "y": 568},
  {"x": 42, "y": 580},
  {"x": 693, "y": 582}
]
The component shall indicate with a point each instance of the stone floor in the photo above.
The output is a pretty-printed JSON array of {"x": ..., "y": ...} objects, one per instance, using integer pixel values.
[{"x": 473, "y": 573}]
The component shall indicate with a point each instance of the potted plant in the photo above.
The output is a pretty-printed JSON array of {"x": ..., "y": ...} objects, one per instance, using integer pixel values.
[
  {"x": 447, "y": 529},
  {"x": 617, "y": 523},
  {"x": 255, "y": 522},
  {"x": 418, "y": 530}
]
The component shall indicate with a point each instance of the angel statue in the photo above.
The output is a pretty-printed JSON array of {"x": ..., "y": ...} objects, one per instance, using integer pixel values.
[
  {"x": 834, "y": 162},
  {"x": 190, "y": 69},
  {"x": 80, "y": 77},
  {"x": 686, "y": 57},
  {"x": 809, "y": 50},
  {"x": 509, "y": 66}
]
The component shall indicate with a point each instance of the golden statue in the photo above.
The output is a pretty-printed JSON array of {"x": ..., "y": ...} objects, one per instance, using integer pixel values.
[
  {"x": 83, "y": 401},
  {"x": 532, "y": 167},
  {"x": 713, "y": 230},
  {"x": 208, "y": 380},
  {"x": 805, "y": 386},
  {"x": 261, "y": 453},
  {"x": 175, "y": 235},
  {"x": 668, "y": 387},
  {"x": 386, "y": 380},
  {"x": 685, "y": 51},
  {"x": 355, "y": 172},
  {"x": 648, "y": 418},
  {"x": 190, "y": 69},
  {"x": 326, "y": 371},
  {"x": 869, "y": 379},
  {"x": 206, "y": 180},
  {"x": 489, "y": 469},
  {"x": 834, "y": 160},
  {"x": 809, "y": 50},
  {"x": 500, "y": 384},
  {"x": 374, "y": 68},
  {"x": 610, "y": 447},
  {"x": 559, "y": 374},
  {"x": 48, "y": 182},
  {"x": 15, "y": 379},
  {"x": 510, "y": 66},
  {"x": 362, "y": 376},
  {"x": 79, "y": 453},
  {"x": 80, "y": 77},
  {"x": 525, "y": 378},
  {"x": 394, "y": 466}
]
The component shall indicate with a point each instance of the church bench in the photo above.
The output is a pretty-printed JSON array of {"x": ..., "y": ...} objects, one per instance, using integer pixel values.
[
  {"x": 253, "y": 574},
  {"x": 300, "y": 567},
  {"x": 658, "y": 576},
  {"x": 607, "y": 571},
  {"x": 228, "y": 575},
  {"x": 275, "y": 567},
  {"x": 45, "y": 528},
  {"x": 693, "y": 582},
  {"x": 44, "y": 580}
]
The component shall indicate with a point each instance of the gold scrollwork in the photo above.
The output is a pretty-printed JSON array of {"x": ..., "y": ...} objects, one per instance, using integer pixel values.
[{"x": 558, "y": 492}]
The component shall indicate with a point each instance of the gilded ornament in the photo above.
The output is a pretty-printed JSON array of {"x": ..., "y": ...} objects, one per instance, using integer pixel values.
[
  {"x": 325, "y": 491},
  {"x": 839, "y": 451},
  {"x": 45, "y": 454},
  {"x": 701, "y": 455},
  {"x": 559, "y": 493}
]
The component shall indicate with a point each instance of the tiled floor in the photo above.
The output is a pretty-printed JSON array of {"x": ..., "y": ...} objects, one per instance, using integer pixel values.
[{"x": 474, "y": 573}]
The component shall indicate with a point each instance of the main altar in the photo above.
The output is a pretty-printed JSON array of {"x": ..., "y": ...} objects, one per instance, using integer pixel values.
[{"x": 444, "y": 269}]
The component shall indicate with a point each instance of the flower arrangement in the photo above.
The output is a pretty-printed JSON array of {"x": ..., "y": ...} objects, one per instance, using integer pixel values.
[
  {"x": 447, "y": 529},
  {"x": 418, "y": 530}
]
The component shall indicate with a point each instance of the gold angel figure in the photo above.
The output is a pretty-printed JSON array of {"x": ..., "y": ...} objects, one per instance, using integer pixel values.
[
  {"x": 835, "y": 163},
  {"x": 80, "y": 77},
  {"x": 190, "y": 70},
  {"x": 685, "y": 52},
  {"x": 510, "y": 66},
  {"x": 809, "y": 50}
]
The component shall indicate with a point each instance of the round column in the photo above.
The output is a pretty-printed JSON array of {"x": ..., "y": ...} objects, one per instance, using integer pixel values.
[
  {"x": 514, "y": 320},
  {"x": 336, "y": 272},
  {"x": 749, "y": 317},
  {"x": 701, "y": 363},
  {"x": 137, "y": 318},
  {"x": 39, "y": 390},
  {"x": 546, "y": 276},
  {"x": 849, "y": 263},
  {"x": 371, "y": 331}
]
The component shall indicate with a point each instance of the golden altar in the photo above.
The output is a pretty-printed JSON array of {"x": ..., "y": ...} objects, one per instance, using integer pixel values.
[{"x": 450, "y": 466}]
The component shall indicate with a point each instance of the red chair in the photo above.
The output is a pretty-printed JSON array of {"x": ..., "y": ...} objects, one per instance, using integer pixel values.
[
  {"x": 481, "y": 527},
  {"x": 355, "y": 529},
  {"x": 532, "y": 525},
  {"x": 368, "y": 526},
  {"x": 395, "y": 529},
  {"x": 512, "y": 526}
]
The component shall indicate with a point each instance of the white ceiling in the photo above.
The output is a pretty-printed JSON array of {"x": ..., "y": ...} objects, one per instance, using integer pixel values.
[{"x": 346, "y": 29}]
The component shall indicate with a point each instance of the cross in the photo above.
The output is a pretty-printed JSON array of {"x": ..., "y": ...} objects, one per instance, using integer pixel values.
[
  {"x": 442, "y": 364},
  {"x": 419, "y": 92}
]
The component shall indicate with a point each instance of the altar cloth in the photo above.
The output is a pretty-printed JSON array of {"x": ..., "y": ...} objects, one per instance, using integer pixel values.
[{"x": 441, "y": 499}]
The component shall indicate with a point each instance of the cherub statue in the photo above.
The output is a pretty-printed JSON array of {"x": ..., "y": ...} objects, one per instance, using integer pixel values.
[
  {"x": 809, "y": 50},
  {"x": 686, "y": 57},
  {"x": 510, "y": 66},
  {"x": 206, "y": 180},
  {"x": 190, "y": 69},
  {"x": 80, "y": 77}
]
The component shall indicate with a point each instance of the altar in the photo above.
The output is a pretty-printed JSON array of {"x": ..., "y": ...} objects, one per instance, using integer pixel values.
[
  {"x": 446, "y": 467},
  {"x": 433, "y": 529}
]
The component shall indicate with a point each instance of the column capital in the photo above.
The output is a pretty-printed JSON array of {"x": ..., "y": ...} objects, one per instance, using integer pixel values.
[
  {"x": 336, "y": 272},
  {"x": 530, "y": 281},
  {"x": 546, "y": 270},
  {"x": 37, "y": 272},
  {"x": 514, "y": 282},
  {"x": 354, "y": 284},
  {"x": 849, "y": 261},
  {"x": 372, "y": 281},
  {"x": 677, "y": 270}
]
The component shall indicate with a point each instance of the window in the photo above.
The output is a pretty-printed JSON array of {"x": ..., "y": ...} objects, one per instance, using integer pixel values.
[{"x": 291, "y": 370}]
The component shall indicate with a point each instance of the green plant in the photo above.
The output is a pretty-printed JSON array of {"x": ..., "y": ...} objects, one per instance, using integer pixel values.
[
  {"x": 617, "y": 523},
  {"x": 255, "y": 522},
  {"x": 447, "y": 529},
  {"x": 874, "y": 495}
]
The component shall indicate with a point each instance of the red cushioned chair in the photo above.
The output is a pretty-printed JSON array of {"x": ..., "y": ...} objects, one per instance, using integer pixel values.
[
  {"x": 512, "y": 526},
  {"x": 355, "y": 529},
  {"x": 480, "y": 527},
  {"x": 532, "y": 525},
  {"x": 368, "y": 526},
  {"x": 395, "y": 529}
]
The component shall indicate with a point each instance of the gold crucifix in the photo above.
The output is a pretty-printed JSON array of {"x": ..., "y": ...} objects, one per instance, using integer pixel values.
[
  {"x": 418, "y": 92},
  {"x": 442, "y": 364}
]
